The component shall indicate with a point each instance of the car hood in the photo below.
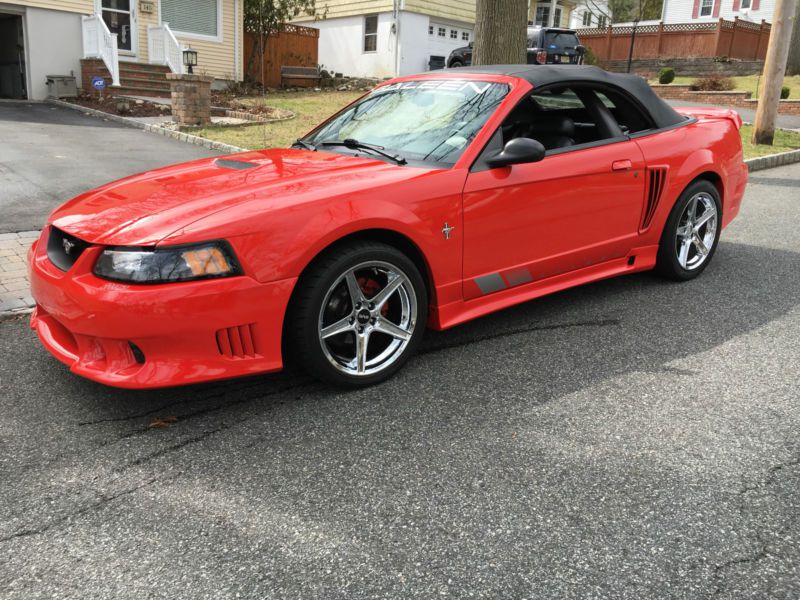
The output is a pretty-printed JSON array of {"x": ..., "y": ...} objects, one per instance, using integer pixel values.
[{"x": 143, "y": 209}]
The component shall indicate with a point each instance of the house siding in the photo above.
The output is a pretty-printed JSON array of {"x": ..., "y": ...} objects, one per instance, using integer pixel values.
[
  {"x": 681, "y": 11},
  {"x": 215, "y": 58},
  {"x": 84, "y": 7}
]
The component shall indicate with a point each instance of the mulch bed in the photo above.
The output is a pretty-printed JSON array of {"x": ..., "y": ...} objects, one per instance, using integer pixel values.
[{"x": 135, "y": 108}]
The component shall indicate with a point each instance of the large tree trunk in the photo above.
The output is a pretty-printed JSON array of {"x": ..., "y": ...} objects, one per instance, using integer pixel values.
[
  {"x": 793, "y": 66},
  {"x": 500, "y": 32}
]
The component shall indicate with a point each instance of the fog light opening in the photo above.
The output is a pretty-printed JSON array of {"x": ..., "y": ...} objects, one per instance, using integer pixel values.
[{"x": 137, "y": 353}]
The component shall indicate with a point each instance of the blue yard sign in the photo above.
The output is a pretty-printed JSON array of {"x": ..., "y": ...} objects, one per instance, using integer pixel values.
[{"x": 98, "y": 83}]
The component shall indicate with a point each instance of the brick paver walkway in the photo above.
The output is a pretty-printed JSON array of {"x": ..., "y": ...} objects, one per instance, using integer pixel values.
[{"x": 15, "y": 294}]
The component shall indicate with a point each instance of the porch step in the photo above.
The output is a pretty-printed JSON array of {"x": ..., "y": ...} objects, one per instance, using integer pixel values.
[{"x": 138, "y": 79}]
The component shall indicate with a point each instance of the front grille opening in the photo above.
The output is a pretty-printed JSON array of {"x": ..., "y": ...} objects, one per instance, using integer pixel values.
[
  {"x": 138, "y": 355},
  {"x": 64, "y": 249}
]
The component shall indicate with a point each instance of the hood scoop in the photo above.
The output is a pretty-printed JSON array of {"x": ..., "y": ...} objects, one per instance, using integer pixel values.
[{"x": 238, "y": 165}]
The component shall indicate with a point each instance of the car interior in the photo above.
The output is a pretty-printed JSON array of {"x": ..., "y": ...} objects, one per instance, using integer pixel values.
[{"x": 561, "y": 117}]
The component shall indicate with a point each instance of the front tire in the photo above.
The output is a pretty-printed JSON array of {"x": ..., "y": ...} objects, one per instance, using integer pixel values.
[
  {"x": 456, "y": 64},
  {"x": 358, "y": 315},
  {"x": 691, "y": 233}
]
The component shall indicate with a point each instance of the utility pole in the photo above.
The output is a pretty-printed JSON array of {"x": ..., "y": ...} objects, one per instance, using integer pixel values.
[
  {"x": 793, "y": 66},
  {"x": 774, "y": 68}
]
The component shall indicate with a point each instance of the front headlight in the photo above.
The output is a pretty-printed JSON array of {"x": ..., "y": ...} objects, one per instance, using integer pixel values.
[{"x": 165, "y": 265}]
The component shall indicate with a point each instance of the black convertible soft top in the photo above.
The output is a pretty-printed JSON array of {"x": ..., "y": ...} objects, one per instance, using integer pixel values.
[{"x": 542, "y": 75}]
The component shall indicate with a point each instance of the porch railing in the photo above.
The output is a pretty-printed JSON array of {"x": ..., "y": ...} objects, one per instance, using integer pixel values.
[
  {"x": 99, "y": 42},
  {"x": 163, "y": 47}
]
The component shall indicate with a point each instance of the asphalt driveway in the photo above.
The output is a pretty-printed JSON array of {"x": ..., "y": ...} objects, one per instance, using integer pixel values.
[
  {"x": 49, "y": 154},
  {"x": 627, "y": 439}
]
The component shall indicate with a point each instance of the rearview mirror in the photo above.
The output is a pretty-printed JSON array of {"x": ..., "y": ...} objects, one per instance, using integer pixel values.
[
  {"x": 517, "y": 151},
  {"x": 472, "y": 44}
]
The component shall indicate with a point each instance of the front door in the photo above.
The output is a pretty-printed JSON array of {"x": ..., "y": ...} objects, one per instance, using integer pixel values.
[{"x": 120, "y": 16}]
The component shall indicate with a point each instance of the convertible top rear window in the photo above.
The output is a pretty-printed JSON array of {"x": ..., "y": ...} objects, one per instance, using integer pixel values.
[{"x": 428, "y": 121}]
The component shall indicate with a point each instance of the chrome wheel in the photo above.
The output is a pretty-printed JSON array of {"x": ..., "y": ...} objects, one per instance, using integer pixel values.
[
  {"x": 696, "y": 232},
  {"x": 367, "y": 318}
]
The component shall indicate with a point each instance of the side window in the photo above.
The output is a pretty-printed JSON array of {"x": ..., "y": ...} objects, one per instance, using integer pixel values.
[
  {"x": 628, "y": 115},
  {"x": 561, "y": 117}
]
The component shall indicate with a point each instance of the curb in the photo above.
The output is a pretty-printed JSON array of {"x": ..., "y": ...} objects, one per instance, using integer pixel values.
[
  {"x": 773, "y": 160},
  {"x": 176, "y": 135}
]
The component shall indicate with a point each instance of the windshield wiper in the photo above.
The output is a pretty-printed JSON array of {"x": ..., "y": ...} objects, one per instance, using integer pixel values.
[
  {"x": 304, "y": 144},
  {"x": 356, "y": 145}
]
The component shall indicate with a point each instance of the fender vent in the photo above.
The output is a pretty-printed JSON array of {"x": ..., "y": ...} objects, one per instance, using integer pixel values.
[
  {"x": 237, "y": 342},
  {"x": 655, "y": 186}
]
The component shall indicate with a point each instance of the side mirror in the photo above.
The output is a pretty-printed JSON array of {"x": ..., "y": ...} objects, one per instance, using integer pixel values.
[
  {"x": 471, "y": 45},
  {"x": 580, "y": 49},
  {"x": 517, "y": 151}
]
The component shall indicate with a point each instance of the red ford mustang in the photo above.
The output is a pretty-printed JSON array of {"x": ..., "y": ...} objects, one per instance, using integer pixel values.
[{"x": 430, "y": 201}]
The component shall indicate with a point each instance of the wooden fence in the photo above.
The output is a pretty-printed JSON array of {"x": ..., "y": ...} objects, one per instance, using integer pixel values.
[
  {"x": 295, "y": 46},
  {"x": 734, "y": 39}
]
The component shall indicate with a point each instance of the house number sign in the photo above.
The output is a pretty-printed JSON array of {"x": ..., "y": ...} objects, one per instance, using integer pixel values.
[{"x": 146, "y": 7}]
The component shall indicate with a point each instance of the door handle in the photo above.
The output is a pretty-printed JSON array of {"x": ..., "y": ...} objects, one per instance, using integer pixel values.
[{"x": 621, "y": 165}]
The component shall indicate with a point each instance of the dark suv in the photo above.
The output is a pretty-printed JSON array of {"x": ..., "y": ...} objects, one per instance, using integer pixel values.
[{"x": 546, "y": 45}]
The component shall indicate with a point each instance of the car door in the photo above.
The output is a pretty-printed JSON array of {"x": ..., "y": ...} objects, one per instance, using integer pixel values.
[{"x": 578, "y": 207}]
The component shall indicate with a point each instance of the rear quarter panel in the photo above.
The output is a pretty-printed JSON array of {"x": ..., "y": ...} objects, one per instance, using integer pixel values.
[{"x": 709, "y": 145}]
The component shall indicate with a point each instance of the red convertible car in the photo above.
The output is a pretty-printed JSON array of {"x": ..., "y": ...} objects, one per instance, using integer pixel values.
[{"x": 430, "y": 201}]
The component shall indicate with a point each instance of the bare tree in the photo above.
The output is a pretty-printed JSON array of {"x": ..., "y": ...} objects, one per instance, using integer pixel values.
[
  {"x": 624, "y": 11},
  {"x": 500, "y": 32}
]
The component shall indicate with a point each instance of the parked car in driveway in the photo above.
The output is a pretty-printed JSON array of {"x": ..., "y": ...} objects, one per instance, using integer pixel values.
[
  {"x": 546, "y": 45},
  {"x": 432, "y": 200}
]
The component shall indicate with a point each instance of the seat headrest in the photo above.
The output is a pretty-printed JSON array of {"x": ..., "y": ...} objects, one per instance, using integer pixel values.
[{"x": 554, "y": 125}]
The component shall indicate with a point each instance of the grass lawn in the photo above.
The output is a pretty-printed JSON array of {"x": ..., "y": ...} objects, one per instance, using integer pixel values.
[
  {"x": 748, "y": 83},
  {"x": 311, "y": 109},
  {"x": 783, "y": 142}
]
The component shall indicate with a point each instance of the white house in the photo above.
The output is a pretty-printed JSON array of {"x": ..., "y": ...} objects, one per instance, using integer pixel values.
[
  {"x": 591, "y": 13},
  {"x": 690, "y": 11},
  {"x": 386, "y": 38}
]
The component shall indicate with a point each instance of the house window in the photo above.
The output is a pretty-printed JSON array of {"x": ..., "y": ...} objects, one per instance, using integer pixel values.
[
  {"x": 199, "y": 17},
  {"x": 587, "y": 19},
  {"x": 465, "y": 36},
  {"x": 706, "y": 6},
  {"x": 601, "y": 21},
  {"x": 557, "y": 18},
  {"x": 542, "y": 15},
  {"x": 453, "y": 34},
  {"x": 430, "y": 29},
  {"x": 371, "y": 33},
  {"x": 745, "y": 4},
  {"x": 442, "y": 31}
]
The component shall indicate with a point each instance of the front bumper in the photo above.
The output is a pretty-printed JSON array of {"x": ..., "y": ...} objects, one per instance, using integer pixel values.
[{"x": 147, "y": 336}]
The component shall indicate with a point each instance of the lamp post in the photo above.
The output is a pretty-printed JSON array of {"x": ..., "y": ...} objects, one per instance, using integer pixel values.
[
  {"x": 633, "y": 39},
  {"x": 189, "y": 59}
]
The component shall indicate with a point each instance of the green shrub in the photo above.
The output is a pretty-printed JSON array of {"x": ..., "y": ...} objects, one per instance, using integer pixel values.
[
  {"x": 589, "y": 57},
  {"x": 666, "y": 75},
  {"x": 713, "y": 83},
  {"x": 785, "y": 91}
]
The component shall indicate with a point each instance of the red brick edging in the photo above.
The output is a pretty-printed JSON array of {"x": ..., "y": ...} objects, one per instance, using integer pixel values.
[{"x": 736, "y": 99}]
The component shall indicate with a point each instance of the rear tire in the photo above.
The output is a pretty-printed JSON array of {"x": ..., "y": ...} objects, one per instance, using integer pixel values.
[
  {"x": 358, "y": 314},
  {"x": 456, "y": 64},
  {"x": 691, "y": 234}
]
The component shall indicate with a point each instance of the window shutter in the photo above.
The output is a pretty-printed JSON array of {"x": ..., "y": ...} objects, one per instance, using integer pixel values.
[
  {"x": 756, "y": 4},
  {"x": 715, "y": 12},
  {"x": 736, "y": 5},
  {"x": 197, "y": 16},
  {"x": 696, "y": 9}
]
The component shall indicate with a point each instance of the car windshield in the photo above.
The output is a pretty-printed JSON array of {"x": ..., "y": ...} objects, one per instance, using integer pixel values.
[
  {"x": 560, "y": 40},
  {"x": 426, "y": 120}
]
